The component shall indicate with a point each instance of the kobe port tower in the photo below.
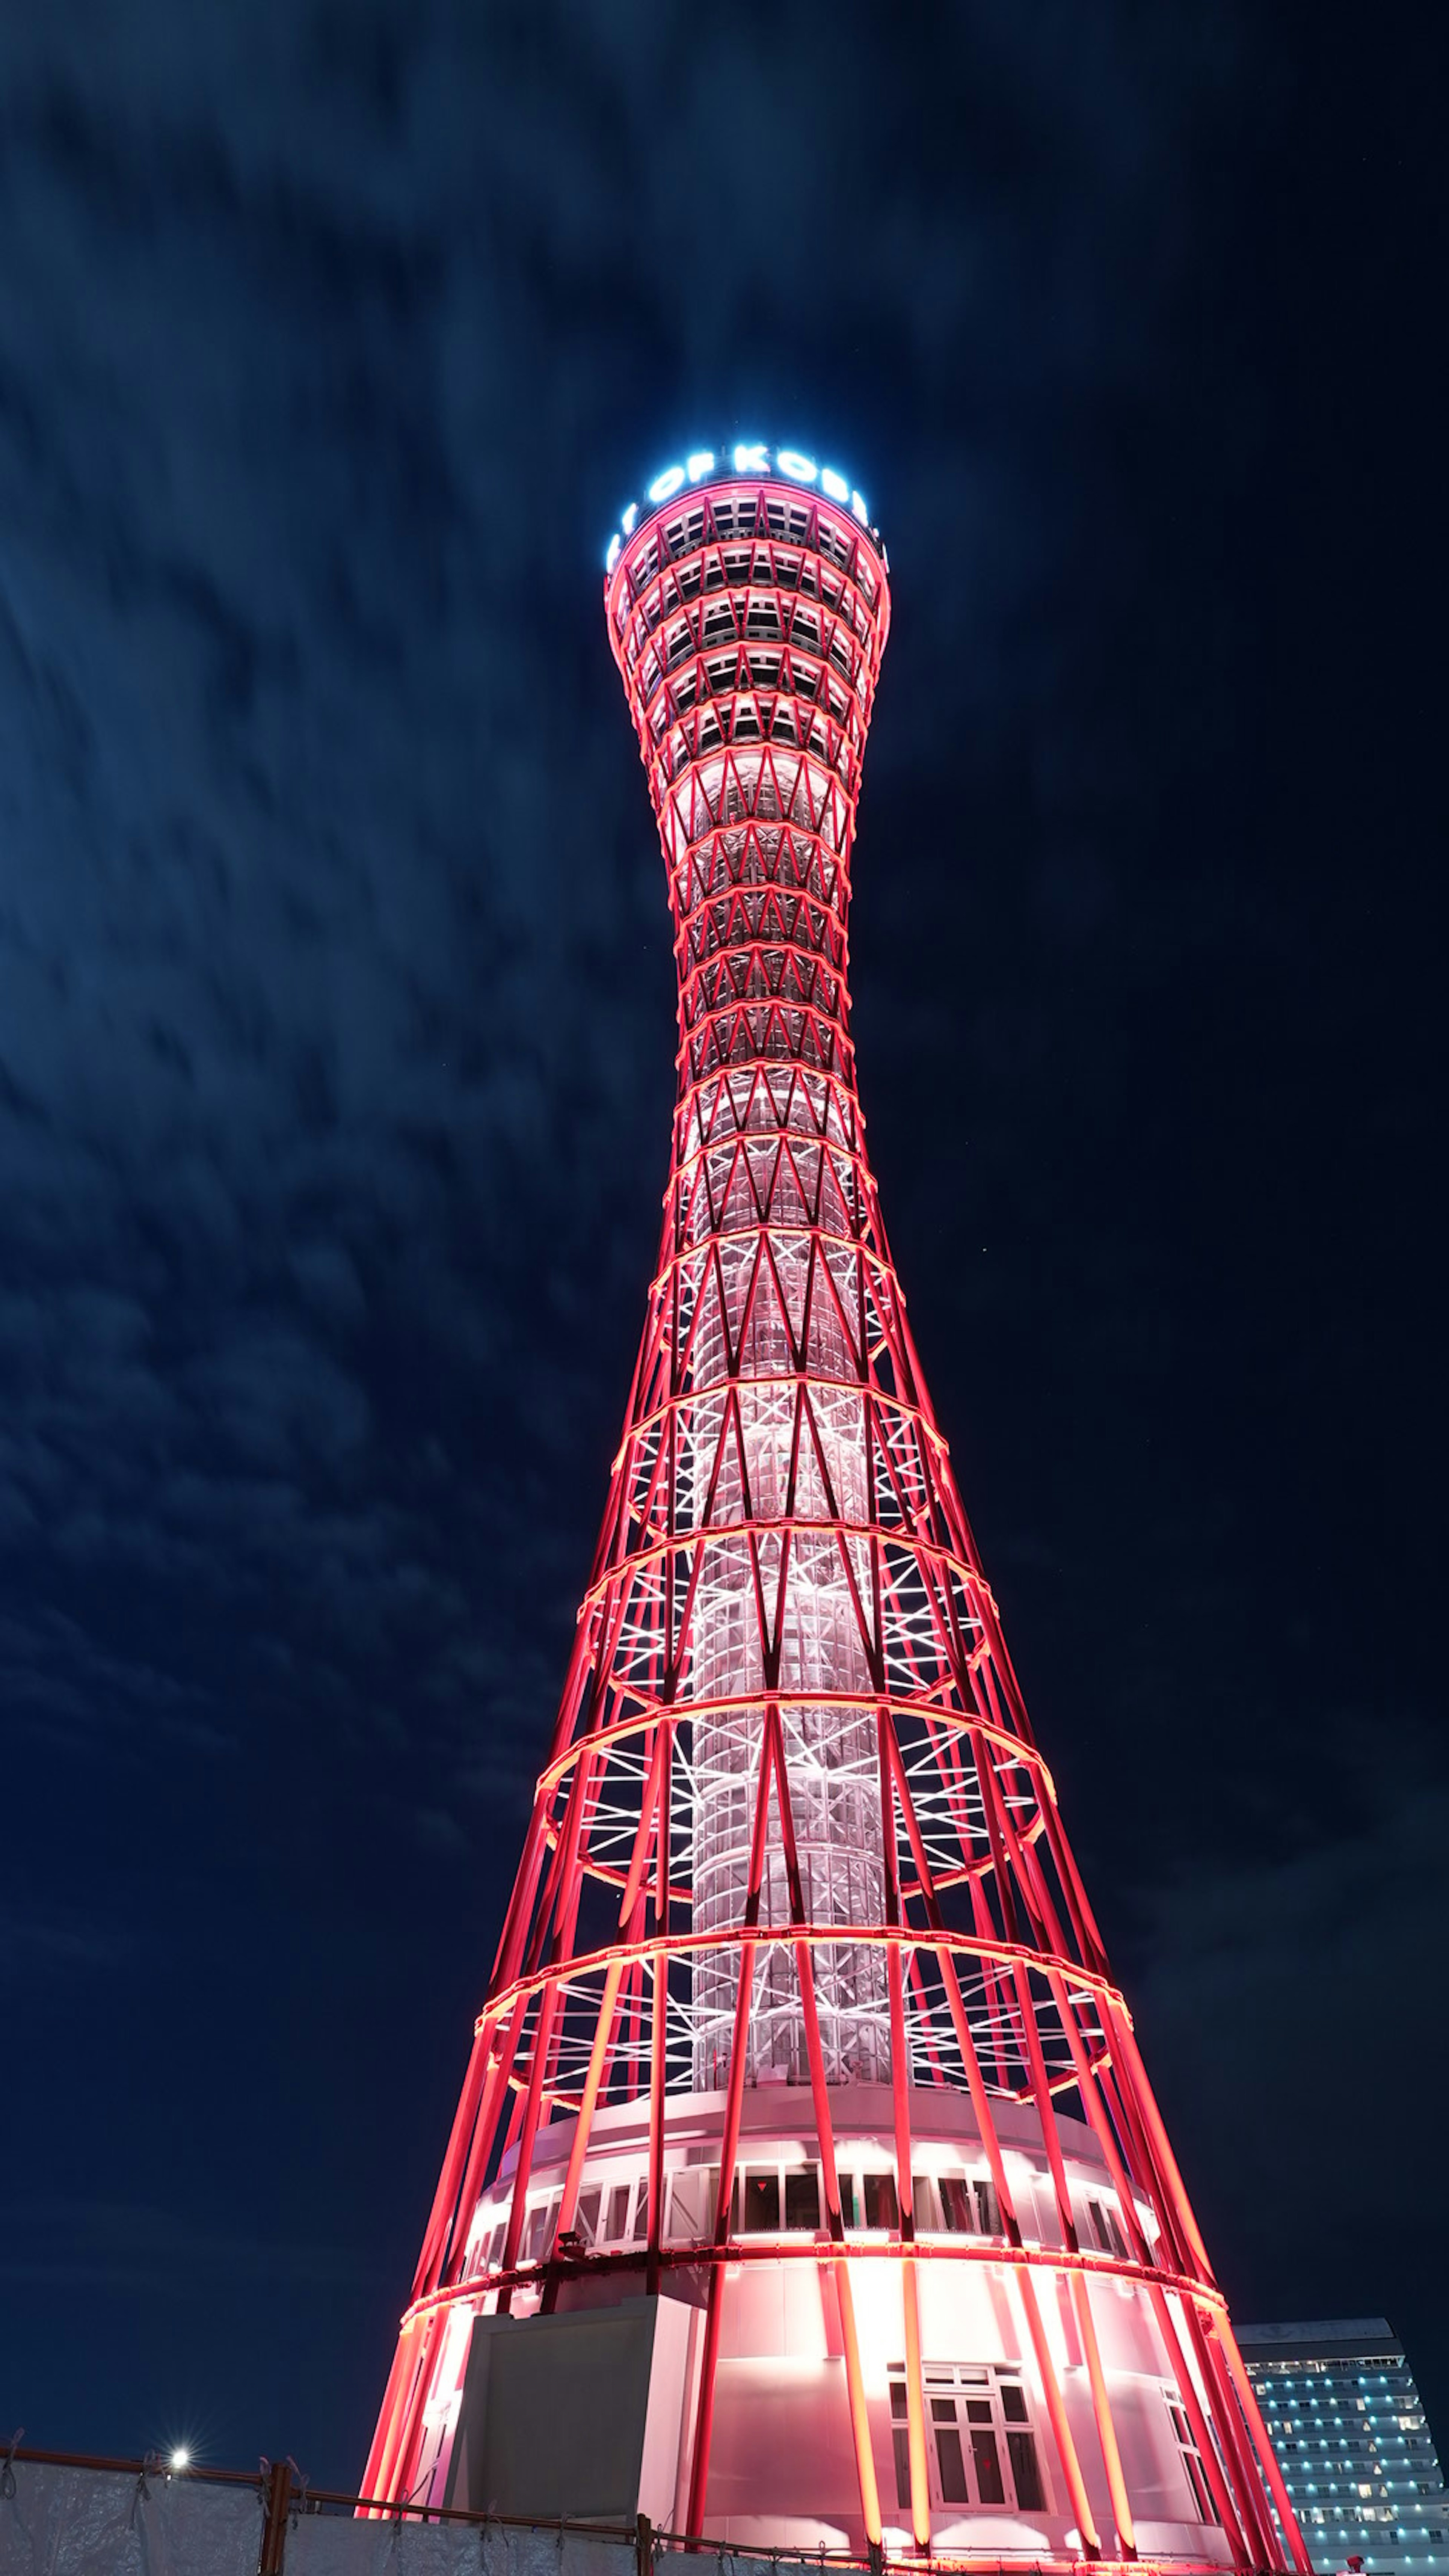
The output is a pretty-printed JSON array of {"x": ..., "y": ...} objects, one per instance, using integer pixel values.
[{"x": 807, "y": 2190}]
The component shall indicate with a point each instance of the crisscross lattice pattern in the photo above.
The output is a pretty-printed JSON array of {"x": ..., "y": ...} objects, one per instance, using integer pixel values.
[{"x": 794, "y": 1826}]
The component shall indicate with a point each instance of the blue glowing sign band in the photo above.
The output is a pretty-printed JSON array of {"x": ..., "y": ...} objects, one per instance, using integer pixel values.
[{"x": 747, "y": 457}]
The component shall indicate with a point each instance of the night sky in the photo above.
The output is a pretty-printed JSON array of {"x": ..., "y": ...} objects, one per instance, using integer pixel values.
[{"x": 336, "y": 1055}]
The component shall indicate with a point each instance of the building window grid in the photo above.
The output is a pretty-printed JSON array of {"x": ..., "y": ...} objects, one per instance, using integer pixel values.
[{"x": 1372, "y": 2432}]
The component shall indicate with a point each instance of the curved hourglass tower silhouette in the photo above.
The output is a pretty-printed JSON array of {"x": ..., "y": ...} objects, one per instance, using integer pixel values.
[{"x": 807, "y": 2189}]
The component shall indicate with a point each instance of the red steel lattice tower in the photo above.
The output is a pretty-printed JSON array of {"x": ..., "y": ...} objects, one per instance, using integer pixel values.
[{"x": 801, "y": 2055}]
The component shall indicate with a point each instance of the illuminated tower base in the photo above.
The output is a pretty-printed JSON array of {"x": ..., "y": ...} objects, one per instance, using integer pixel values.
[
  {"x": 782, "y": 2469},
  {"x": 807, "y": 2188}
]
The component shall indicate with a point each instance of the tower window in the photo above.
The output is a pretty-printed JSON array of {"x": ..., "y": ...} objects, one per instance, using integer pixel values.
[
  {"x": 985, "y": 2452},
  {"x": 1021, "y": 2447},
  {"x": 969, "y": 2206},
  {"x": 539, "y": 2233},
  {"x": 981, "y": 2449},
  {"x": 950, "y": 2464},
  {"x": 880, "y": 2201},
  {"x": 956, "y": 2205},
  {"x": 1191, "y": 2459},
  {"x": 1105, "y": 2229},
  {"x": 802, "y": 2200},
  {"x": 901, "y": 2442},
  {"x": 692, "y": 2199},
  {"x": 761, "y": 2212}
]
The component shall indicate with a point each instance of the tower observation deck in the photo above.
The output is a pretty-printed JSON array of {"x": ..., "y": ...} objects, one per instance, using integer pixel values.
[{"x": 801, "y": 2072}]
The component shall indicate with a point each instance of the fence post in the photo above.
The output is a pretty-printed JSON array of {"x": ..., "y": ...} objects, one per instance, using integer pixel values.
[
  {"x": 644, "y": 2544},
  {"x": 274, "y": 2529}
]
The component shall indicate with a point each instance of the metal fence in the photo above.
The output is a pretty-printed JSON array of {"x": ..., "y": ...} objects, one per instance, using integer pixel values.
[{"x": 64, "y": 2514}]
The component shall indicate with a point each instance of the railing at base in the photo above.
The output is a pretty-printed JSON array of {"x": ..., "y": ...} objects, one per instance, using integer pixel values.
[{"x": 284, "y": 2497}]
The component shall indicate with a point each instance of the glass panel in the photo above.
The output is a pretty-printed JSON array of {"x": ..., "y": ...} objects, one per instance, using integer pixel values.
[
  {"x": 988, "y": 2467},
  {"x": 901, "y": 2445},
  {"x": 1195, "y": 2481},
  {"x": 957, "y": 2205},
  {"x": 898, "y": 2397},
  {"x": 802, "y": 2199},
  {"x": 978, "y": 2410},
  {"x": 1013, "y": 2402},
  {"x": 849, "y": 2205},
  {"x": 943, "y": 2410},
  {"x": 762, "y": 2201},
  {"x": 954, "y": 2489},
  {"x": 641, "y": 2210},
  {"x": 1099, "y": 2226},
  {"x": 923, "y": 2206},
  {"x": 692, "y": 2204},
  {"x": 987, "y": 2211},
  {"x": 1026, "y": 2476},
  {"x": 617, "y": 2222},
  {"x": 1119, "y": 2241},
  {"x": 880, "y": 2200},
  {"x": 586, "y": 2215}
]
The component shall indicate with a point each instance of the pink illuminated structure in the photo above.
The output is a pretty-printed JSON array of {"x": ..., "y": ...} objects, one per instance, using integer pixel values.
[{"x": 801, "y": 2050}]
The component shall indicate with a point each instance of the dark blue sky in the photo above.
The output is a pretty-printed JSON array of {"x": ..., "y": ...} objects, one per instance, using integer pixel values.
[{"x": 336, "y": 1054}]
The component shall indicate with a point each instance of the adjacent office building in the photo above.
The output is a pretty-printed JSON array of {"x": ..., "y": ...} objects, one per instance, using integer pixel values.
[{"x": 1349, "y": 2429}]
